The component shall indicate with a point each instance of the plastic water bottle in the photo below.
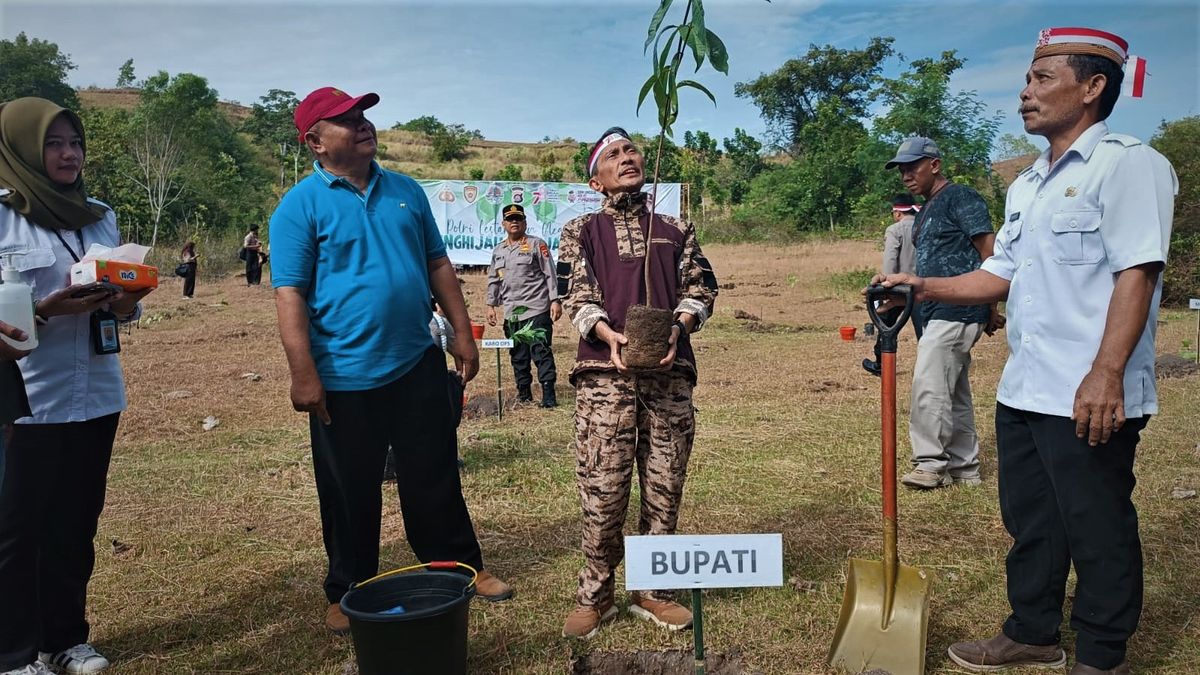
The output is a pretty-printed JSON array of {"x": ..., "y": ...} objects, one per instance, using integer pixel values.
[{"x": 16, "y": 304}]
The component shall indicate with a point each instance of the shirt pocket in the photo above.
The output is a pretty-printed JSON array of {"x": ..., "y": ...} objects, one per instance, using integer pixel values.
[
  {"x": 26, "y": 259},
  {"x": 1076, "y": 238}
]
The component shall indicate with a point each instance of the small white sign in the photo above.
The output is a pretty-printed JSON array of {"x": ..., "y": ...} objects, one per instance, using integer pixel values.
[
  {"x": 497, "y": 344},
  {"x": 659, "y": 562},
  {"x": 1194, "y": 303}
]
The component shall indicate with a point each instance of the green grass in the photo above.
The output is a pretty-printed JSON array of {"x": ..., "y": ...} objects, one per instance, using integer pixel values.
[{"x": 218, "y": 563}]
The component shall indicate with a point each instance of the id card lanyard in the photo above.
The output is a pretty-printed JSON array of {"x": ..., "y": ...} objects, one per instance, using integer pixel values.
[{"x": 105, "y": 336}]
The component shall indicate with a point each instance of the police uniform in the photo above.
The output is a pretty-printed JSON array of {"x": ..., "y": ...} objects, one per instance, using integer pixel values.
[
  {"x": 522, "y": 275},
  {"x": 621, "y": 421}
]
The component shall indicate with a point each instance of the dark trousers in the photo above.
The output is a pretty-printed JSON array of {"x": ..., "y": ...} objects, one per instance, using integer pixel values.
[
  {"x": 253, "y": 268},
  {"x": 412, "y": 415},
  {"x": 189, "y": 282},
  {"x": 891, "y": 315},
  {"x": 540, "y": 352},
  {"x": 50, "y": 502},
  {"x": 1064, "y": 502}
]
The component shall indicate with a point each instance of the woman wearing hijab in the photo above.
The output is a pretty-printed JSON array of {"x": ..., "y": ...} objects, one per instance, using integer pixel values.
[{"x": 57, "y": 459}]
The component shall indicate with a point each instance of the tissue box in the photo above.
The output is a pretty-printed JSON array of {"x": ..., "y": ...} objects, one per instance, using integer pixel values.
[{"x": 129, "y": 276}]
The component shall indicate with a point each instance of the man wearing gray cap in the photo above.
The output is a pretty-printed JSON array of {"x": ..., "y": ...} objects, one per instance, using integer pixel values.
[{"x": 952, "y": 235}]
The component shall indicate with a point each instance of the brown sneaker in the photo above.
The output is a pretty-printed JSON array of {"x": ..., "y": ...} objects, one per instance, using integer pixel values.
[
  {"x": 665, "y": 613},
  {"x": 584, "y": 622},
  {"x": 1084, "y": 669},
  {"x": 1000, "y": 652},
  {"x": 492, "y": 589},
  {"x": 335, "y": 620}
]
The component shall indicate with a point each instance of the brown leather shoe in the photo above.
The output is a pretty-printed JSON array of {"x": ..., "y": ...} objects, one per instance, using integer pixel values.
[
  {"x": 665, "y": 613},
  {"x": 337, "y": 622},
  {"x": 490, "y": 588},
  {"x": 1084, "y": 669},
  {"x": 584, "y": 622},
  {"x": 1000, "y": 652}
]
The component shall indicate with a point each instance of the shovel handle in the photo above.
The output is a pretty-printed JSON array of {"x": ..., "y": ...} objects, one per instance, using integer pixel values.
[{"x": 888, "y": 332}]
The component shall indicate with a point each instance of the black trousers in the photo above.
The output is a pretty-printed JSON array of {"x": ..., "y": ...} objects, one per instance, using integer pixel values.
[
  {"x": 50, "y": 502},
  {"x": 1065, "y": 502},
  {"x": 540, "y": 352},
  {"x": 891, "y": 315},
  {"x": 412, "y": 415},
  {"x": 253, "y": 268},
  {"x": 189, "y": 281}
]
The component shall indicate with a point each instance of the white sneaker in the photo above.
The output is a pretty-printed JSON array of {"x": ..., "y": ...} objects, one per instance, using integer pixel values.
[
  {"x": 35, "y": 668},
  {"x": 82, "y": 658}
]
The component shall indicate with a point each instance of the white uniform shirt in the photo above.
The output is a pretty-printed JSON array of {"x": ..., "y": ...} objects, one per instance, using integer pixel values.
[
  {"x": 65, "y": 379},
  {"x": 1104, "y": 207}
]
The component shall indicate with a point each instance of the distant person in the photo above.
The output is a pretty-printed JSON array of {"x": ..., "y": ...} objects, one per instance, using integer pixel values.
[
  {"x": 953, "y": 235},
  {"x": 357, "y": 255},
  {"x": 898, "y": 256},
  {"x": 188, "y": 258},
  {"x": 521, "y": 274},
  {"x": 625, "y": 419},
  {"x": 252, "y": 254},
  {"x": 57, "y": 461},
  {"x": 1080, "y": 260}
]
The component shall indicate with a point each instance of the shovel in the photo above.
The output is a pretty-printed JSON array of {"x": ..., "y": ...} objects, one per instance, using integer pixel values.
[{"x": 885, "y": 612}]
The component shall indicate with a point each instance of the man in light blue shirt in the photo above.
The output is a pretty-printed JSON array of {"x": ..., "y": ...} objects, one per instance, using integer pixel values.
[
  {"x": 1079, "y": 259},
  {"x": 356, "y": 256}
]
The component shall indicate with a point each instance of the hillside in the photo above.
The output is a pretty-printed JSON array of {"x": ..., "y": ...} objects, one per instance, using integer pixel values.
[{"x": 412, "y": 153}]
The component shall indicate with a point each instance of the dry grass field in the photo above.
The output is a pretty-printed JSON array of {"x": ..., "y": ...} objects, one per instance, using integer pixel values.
[{"x": 210, "y": 557}]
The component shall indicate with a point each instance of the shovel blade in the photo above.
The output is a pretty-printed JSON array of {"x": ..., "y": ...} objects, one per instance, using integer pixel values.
[{"x": 865, "y": 639}]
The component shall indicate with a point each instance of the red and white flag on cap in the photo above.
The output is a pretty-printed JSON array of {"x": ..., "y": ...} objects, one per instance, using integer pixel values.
[{"x": 1135, "y": 77}]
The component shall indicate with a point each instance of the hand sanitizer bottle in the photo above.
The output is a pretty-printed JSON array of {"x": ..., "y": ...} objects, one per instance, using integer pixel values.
[{"x": 16, "y": 304}]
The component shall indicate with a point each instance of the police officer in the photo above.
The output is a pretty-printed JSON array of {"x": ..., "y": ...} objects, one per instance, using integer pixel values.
[
  {"x": 1080, "y": 260},
  {"x": 522, "y": 275},
  {"x": 625, "y": 419}
]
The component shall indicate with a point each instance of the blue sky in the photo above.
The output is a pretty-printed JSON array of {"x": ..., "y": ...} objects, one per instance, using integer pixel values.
[{"x": 522, "y": 71}]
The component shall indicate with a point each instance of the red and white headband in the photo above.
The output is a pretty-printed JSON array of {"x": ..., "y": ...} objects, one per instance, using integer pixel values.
[{"x": 608, "y": 140}]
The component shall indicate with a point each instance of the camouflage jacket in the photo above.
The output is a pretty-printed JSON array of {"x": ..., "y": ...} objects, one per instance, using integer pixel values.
[{"x": 600, "y": 275}]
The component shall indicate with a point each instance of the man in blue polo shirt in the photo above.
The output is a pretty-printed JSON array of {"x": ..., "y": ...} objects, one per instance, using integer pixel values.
[{"x": 356, "y": 256}]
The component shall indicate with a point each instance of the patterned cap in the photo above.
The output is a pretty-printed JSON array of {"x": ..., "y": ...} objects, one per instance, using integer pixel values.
[
  {"x": 1088, "y": 41},
  {"x": 514, "y": 211}
]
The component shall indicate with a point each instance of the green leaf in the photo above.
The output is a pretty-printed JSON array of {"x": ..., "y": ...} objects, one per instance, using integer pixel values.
[
  {"x": 656, "y": 21},
  {"x": 717, "y": 54},
  {"x": 701, "y": 88},
  {"x": 645, "y": 90},
  {"x": 697, "y": 37}
]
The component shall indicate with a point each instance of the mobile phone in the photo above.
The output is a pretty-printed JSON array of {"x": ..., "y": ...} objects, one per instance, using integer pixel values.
[{"x": 94, "y": 288}]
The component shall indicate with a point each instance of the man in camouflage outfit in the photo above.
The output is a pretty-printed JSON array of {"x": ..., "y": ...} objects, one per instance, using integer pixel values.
[{"x": 623, "y": 418}]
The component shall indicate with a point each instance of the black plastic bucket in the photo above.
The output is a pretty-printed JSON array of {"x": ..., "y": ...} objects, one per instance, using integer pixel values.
[{"x": 427, "y": 635}]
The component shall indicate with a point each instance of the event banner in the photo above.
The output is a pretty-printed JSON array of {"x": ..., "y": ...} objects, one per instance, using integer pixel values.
[{"x": 468, "y": 212}]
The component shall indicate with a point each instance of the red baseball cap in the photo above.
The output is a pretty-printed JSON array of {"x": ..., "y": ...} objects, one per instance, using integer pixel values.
[{"x": 327, "y": 102}]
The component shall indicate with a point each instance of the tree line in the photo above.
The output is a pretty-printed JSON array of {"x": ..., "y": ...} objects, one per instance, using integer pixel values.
[{"x": 177, "y": 164}]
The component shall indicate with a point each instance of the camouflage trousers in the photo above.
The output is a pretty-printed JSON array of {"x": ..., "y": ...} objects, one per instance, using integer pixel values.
[{"x": 621, "y": 421}]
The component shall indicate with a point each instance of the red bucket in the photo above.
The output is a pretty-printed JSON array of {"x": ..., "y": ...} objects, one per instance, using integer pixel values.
[
  {"x": 477, "y": 330},
  {"x": 847, "y": 332}
]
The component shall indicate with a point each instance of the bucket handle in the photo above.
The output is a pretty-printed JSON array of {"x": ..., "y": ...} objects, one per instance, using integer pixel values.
[{"x": 435, "y": 565}]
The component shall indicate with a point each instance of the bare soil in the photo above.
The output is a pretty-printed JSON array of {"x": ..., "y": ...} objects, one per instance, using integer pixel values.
[
  {"x": 1171, "y": 365},
  {"x": 673, "y": 662},
  {"x": 648, "y": 330}
]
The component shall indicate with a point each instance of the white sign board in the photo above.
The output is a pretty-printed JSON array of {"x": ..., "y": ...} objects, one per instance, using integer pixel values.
[
  {"x": 659, "y": 562},
  {"x": 468, "y": 212},
  {"x": 497, "y": 344},
  {"x": 1194, "y": 303}
]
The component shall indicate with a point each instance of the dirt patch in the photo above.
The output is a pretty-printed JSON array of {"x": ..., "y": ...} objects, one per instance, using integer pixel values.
[
  {"x": 825, "y": 386},
  {"x": 675, "y": 662},
  {"x": 1169, "y": 366},
  {"x": 745, "y": 316},
  {"x": 768, "y": 327}
]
